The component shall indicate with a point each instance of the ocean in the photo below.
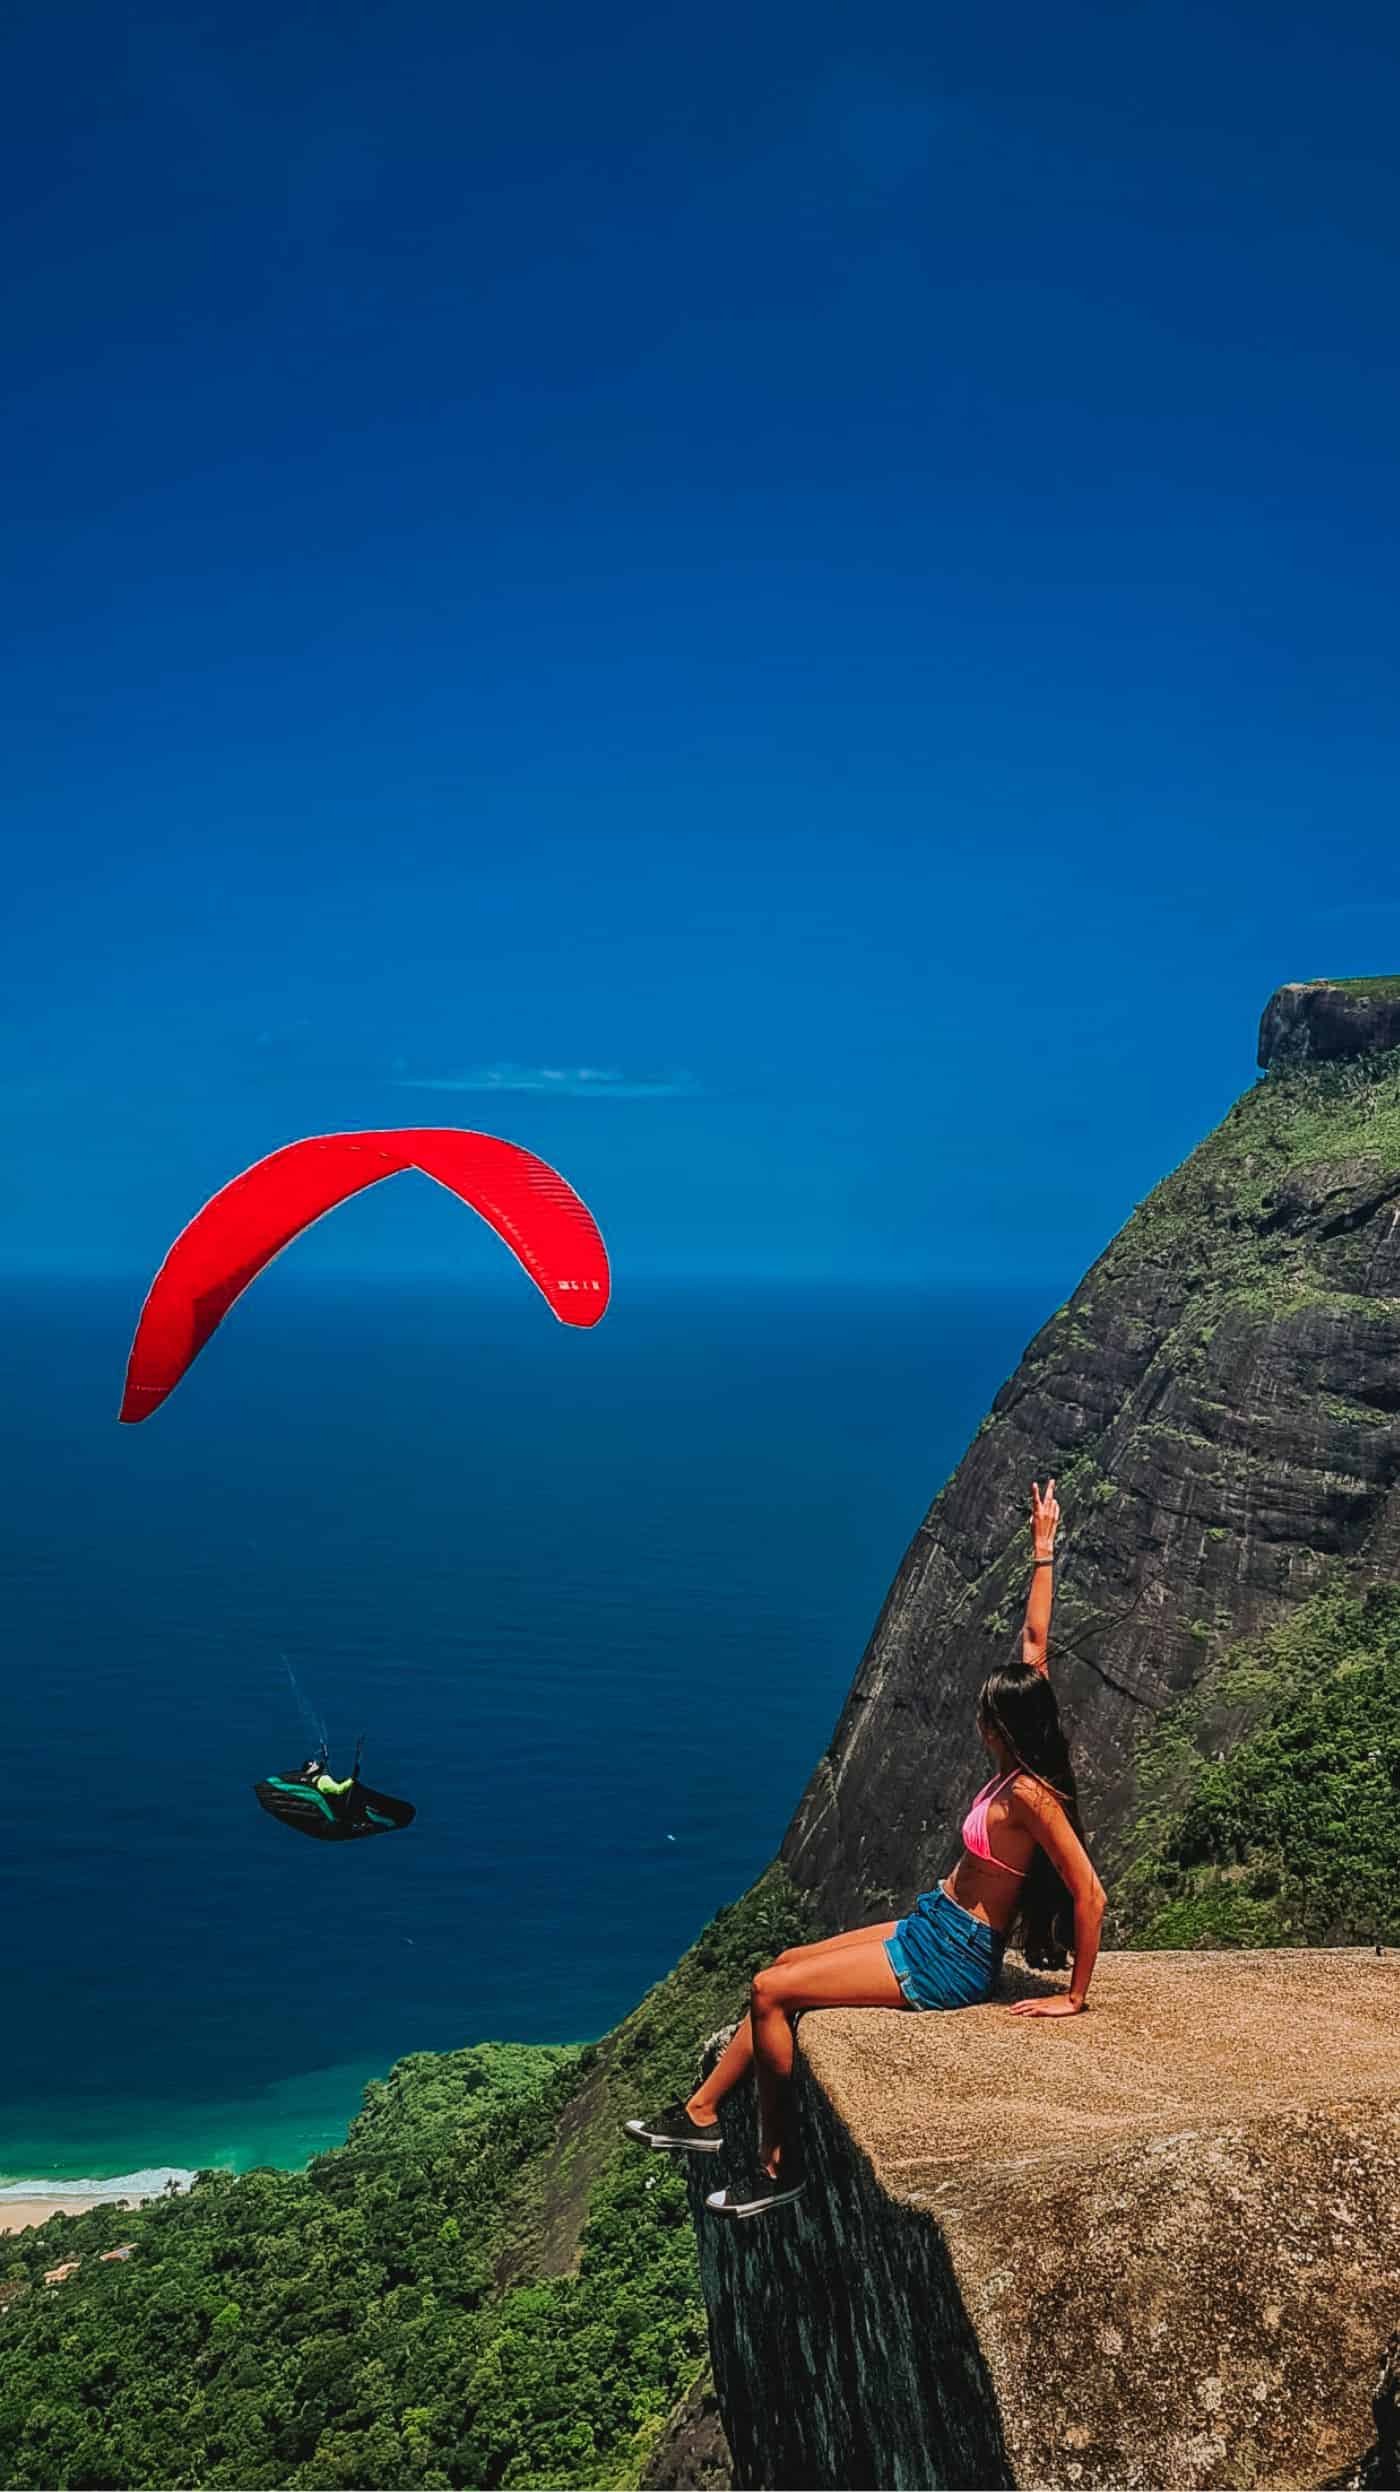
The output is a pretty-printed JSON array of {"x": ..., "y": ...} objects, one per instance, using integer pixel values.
[{"x": 594, "y": 1599}]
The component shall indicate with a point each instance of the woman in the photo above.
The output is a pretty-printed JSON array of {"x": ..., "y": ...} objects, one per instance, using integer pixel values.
[{"x": 1023, "y": 1868}]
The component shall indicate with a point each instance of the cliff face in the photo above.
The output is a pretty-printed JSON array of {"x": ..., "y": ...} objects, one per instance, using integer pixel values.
[
  {"x": 1331, "y": 1017},
  {"x": 1173, "y": 2258},
  {"x": 1164, "y": 2256},
  {"x": 1220, "y": 1403}
]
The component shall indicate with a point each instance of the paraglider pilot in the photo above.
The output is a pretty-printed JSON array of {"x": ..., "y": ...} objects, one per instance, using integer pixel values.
[{"x": 314, "y": 1772}]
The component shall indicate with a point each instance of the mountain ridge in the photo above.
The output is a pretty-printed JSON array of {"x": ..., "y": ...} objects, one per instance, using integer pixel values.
[{"x": 1219, "y": 1401}]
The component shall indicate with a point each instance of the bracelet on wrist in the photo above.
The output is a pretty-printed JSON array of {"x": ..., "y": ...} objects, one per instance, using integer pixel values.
[{"x": 1042, "y": 1562}]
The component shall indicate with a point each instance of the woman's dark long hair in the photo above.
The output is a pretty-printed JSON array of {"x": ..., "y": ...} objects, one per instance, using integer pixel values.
[{"x": 1018, "y": 1703}]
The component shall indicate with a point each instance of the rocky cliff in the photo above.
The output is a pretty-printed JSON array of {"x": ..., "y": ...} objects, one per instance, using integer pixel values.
[
  {"x": 1220, "y": 1402},
  {"x": 1332, "y": 1017},
  {"x": 1158, "y": 2246}
]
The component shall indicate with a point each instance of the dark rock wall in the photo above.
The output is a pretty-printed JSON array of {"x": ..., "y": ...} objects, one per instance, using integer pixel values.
[
  {"x": 1327, "y": 1019},
  {"x": 840, "y": 2347},
  {"x": 1220, "y": 1402}
]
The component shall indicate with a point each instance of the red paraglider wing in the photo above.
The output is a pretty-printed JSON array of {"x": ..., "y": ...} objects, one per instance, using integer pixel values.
[{"x": 540, "y": 1218}]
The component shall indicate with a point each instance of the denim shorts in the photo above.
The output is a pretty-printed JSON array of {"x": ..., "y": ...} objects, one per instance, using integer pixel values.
[{"x": 941, "y": 1957}]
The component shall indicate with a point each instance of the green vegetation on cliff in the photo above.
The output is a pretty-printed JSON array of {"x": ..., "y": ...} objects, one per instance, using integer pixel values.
[
  {"x": 1269, "y": 1802},
  {"x": 1226, "y": 1208},
  {"x": 485, "y": 2285}
]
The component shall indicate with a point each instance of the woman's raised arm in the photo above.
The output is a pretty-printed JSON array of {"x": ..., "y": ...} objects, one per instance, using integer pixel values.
[{"x": 1035, "y": 1635}]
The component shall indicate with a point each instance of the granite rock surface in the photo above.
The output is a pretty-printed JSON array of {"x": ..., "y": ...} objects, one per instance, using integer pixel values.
[
  {"x": 1157, "y": 2245},
  {"x": 1220, "y": 1404},
  {"x": 1328, "y": 1018}
]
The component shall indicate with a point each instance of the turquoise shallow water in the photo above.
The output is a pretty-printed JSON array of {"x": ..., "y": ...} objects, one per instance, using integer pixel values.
[
  {"x": 595, "y": 1599},
  {"x": 284, "y": 2122}
]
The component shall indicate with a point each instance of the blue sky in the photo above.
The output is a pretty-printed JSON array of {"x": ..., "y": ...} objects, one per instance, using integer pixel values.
[{"x": 834, "y": 567}]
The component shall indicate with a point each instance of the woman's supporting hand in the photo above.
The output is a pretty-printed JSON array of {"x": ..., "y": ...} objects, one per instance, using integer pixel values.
[{"x": 1061, "y": 2005}]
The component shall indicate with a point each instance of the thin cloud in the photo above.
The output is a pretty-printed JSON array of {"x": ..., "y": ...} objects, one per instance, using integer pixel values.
[{"x": 545, "y": 1081}]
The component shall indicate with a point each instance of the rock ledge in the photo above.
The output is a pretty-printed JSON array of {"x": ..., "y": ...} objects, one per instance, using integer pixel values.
[
  {"x": 1158, "y": 2245},
  {"x": 1330, "y": 1017}
]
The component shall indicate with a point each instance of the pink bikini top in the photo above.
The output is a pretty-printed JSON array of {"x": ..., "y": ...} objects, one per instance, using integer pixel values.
[{"x": 974, "y": 1830}]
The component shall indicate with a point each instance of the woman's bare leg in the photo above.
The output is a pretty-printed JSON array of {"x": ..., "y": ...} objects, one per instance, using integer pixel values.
[
  {"x": 842, "y": 1938},
  {"x": 735, "y": 2061},
  {"x": 845, "y": 1977}
]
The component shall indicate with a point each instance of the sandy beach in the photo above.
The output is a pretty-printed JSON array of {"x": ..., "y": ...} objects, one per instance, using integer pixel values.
[
  {"x": 18, "y": 2214},
  {"x": 24, "y": 2204}
]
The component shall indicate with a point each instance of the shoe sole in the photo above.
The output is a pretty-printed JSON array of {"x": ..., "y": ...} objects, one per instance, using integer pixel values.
[
  {"x": 754, "y": 2206},
  {"x": 672, "y": 2145}
]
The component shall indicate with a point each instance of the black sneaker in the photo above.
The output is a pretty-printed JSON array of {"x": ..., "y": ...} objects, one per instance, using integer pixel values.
[
  {"x": 676, "y": 2133},
  {"x": 756, "y": 2196}
]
